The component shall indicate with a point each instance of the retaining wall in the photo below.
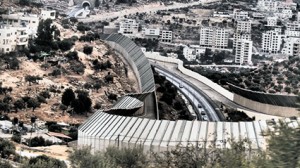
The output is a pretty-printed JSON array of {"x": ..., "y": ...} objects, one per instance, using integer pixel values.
[
  {"x": 271, "y": 109},
  {"x": 266, "y": 108},
  {"x": 193, "y": 74}
]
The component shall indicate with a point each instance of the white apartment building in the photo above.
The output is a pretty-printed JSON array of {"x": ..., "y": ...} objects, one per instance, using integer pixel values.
[
  {"x": 128, "y": 27},
  {"x": 240, "y": 36},
  {"x": 243, "y": 51},
  {"x": 243, "y": 26},
  {"x": 151, "y": 33},
  {"x": 272, "y": 21},
  {"x": 284, "y": 14},
  {"x": 166, "y": 36},
  {"x": 278, "y": 29},
  {"x": 290, "y": 47},
  {"x": 271, "y": 41},
  {"x": 298, "y": 17},
  {"x": 172, "y": 55},
  {"x": 214, "y": 37},
  {"x": 192, "y": 52},
  {"x": 240, "y": 15},
  {"x": 293, "y": 26},
  {"x": 206, "y": 36},
  {"x": 31, "y": 22},
  {"x": 48, "y": 14},
  {"x": 291, "y": 33},
  {"x": 12, "y": 38},
  {"x": 267, "y": 5},
  {"x": 222, "y": 14}
]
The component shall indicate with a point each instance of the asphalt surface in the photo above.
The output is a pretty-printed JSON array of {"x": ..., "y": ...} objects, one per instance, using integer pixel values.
[{"x": 216, "y": 97}]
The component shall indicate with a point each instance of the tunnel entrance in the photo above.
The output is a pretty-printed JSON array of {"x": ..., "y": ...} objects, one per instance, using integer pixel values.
[{"x": 86, "y": 5}]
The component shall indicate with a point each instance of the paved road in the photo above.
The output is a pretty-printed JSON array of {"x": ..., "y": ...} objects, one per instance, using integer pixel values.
[
  {"x": 196, "y": 96},
  {"x": 214, "y": 95},
  {"x": 146, "y": 8}
]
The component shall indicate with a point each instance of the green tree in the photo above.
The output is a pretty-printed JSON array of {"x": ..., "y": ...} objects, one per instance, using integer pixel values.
[
  {"x": 67, "y": 97},
  {"x": 45, "y": 33},
  {"x": 24, "y": 2},
  {"x": 88, "y": 50},
  {"x": 82, "y": 158},
  {"x": 6, "y": 148},
  {"x": 65, "y": 45},
  {"x": 284, "y": 146},
  {"x": 97, "y": 3},
  {"x": 44, "y": 161},
  {"x": 16, "y": 138},
  {"x": 33, "y": 103},
  {"x": 5, "y": 164}
]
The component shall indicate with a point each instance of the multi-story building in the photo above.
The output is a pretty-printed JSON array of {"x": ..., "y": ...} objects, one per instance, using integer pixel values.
[
  {"x": 272, "y": 21},
  {"x": 31, "y": 22},
  {"x": 243, "y": 26},
  {"x": 291, "y": 33},
  {"x": 240, "y": 36},
  {"x": 214, "y": 37},
  {"x": 151, "y": 33},
  {"x": 284, "y": 13},
  {"x": 298, "y": 17},
  {"x": 296, "y": 48},
  {"x": 128, "y": 27},
  {"x": 48, "y": 14},
  {"x": 242, "y": 31},
  {"x": 12, "y": 38},
  {"x": 17, "y": 28},
  {"x": 243, "y": 51},
  {"x": 270, "y": 5},
  {"x": 206, "y": 36},
  {"x": 240, "y": 15},
  {"x": 166, "y": 36},
  {"x": 271, "y": 41},
  {"x": 291, "y": 46},
  {"x": 192, "y": 52},
  {"x": 293, "y": 26}
]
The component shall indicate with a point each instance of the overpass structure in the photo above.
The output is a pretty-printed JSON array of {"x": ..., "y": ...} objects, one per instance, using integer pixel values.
[{"x": 114, "y": 128}]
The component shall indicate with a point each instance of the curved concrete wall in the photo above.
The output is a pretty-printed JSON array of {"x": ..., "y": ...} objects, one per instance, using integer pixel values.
[
  {"x": 266, "y": 108},
  {"x": 265, "y": 98},
  {"x": 193, "y": 74},
  {"x": 251, "y": 104},
  {"x": 103, "y": 130}
]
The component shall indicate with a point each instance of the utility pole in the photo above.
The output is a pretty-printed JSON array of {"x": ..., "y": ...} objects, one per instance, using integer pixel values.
[{"x": 118, "y": 139}]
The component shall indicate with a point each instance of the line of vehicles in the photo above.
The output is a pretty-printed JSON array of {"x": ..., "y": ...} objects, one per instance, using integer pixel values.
[{"x": 202, "y": 113}]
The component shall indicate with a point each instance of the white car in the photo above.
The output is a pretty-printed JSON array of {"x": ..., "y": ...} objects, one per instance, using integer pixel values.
[{"x": 205, "y": 118}]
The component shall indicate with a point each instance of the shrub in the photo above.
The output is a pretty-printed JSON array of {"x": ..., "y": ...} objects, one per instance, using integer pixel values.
[
  {"x": 39, "y": 141},
  {"x": 16, "y": 138},
  {"x": 44, "y": 161},
  {"x": 5, "y": 164},
  {"x": 87, "y": 50},
  {"x": 6, "y": 148},
  {"x": 65, "y": 45},
  {"x": 72, "y": 55}
]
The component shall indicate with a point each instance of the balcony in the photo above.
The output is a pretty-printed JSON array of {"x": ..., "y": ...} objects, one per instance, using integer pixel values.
[{"x": 22, "y": 41}]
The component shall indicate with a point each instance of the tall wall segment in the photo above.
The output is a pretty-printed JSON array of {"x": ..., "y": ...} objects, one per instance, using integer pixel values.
[
  {"x": 281, "y": 105},
  {"x": 103, "y": 129}
]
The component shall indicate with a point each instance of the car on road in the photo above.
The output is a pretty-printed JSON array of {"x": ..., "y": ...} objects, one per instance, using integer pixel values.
[
  {"x": 204, "y": 118},
  {"x": 180, "y": 85},
  {"x": 199, "y": 106}
]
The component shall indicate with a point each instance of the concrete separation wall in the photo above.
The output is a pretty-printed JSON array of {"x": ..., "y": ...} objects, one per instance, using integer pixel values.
[
  {"x": 266, "y": 98},
  {"x": 192, "y": 74},
  {"x": 270, "y": 109},
  {"x": 266, "y": 108}
]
